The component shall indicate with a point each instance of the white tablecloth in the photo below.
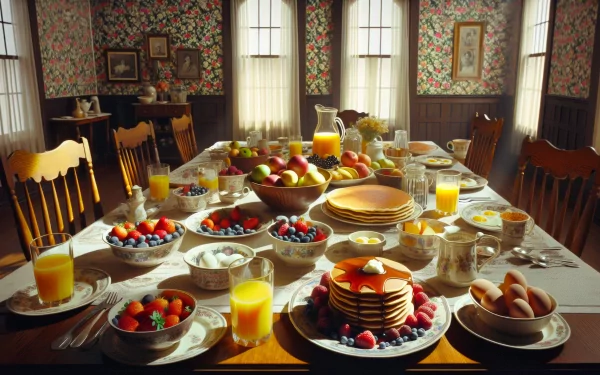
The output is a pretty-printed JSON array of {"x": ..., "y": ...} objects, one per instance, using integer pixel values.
[{"x": 575, "y": 289}]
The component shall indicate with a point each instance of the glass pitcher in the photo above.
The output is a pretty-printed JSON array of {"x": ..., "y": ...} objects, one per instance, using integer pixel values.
[
  {"x": 416, "y": 183},
  {"x": 329, "y": 132},
  {"x": 353, "y": 141}
]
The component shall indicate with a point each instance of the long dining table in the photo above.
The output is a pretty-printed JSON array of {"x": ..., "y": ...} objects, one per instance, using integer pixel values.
[{"x": 25, "y": 340}]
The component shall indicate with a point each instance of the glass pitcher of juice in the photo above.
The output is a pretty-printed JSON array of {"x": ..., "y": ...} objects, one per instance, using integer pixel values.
[{"x": 329, "y": 132}]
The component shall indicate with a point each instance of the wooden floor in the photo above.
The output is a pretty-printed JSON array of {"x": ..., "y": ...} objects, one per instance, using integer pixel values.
[{"x": 111, "y": 193}]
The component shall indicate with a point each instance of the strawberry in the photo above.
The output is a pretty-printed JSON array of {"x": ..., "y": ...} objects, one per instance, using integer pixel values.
[
  {"x": 186, "y": 189},
  {"x": 185, "y": 313},
  {"x": 411, "y": 321},
  {"x": 428, "y": 311},
  {"x": 424, "y": 320},
  {"x": 165, "y": 224},
  {"x": 175, "y": 307},
  {"x": 146, "y": 227},
  {"x": 216, "y": 227},
  {"x": 420, "y": 298},
  {"x": 319, "y": 231},
  {"x": 365, "y": 340},
  {"x": 324, "y": 325},
  {"x": 319, "y": 237},
  {"x": 236, "y": 214},
  {"x": 171, "y": 320},
  {"x": 391, "y": 334},
  {"x": 225, "y": 223},
  {"x": 325, "y": 279},
  {"x": 161, "y": 233},
  {"x": 133, "y": 308},
  {"x": 283, "y": 229},
  {"x": 129, "y": 226},
  {"x": 127, "y": 323},
  {"x": 134, "y": 234},
  {"x": 301, "y": 226},
  {"x": 405, "y": 330},
  {"x": 119, "y": 232},
  {"x": 430, "y": 304},
  {"x": 215, "y": 216},
  {"x": 150, "y": 319},
  {"x": 250, "y": 223},
  {"x": 319, "y": 291},
  {"x": 345, "y": 330},
  {"x": 417, "y": 288},
  {"x": 324, "y": 312},
  {"x": 158, "y": 304}
]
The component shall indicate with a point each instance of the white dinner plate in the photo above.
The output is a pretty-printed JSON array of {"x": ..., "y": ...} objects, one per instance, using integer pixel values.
[
  {"x": 308, "y": 328},
  {"x": 556, "y": 333},
  {"x": 90, "y": 283},
  {"x": 435, "y": 161},
  {"x": 193, "y": 222},
  {"x": 471, "y": 182},
  {"x": 493, "y": 221},
  {"x": 207, "y": 329},
  {"x": 418, "y": 211}
]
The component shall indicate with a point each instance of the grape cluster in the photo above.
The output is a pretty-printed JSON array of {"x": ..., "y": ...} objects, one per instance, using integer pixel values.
[{"x": 327, "y": 163}]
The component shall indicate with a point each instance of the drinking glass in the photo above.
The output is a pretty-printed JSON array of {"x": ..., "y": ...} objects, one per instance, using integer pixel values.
[
  {"x": 401, "y": 140},
  {"x": 251, "y": 300},
  {"x": 208, "y": 177},
  {"x": 158, "y": 178},
  {"x": 52, "y": 258},
  {"x": 295, "y": 145},
  {"x": 446, "y": 192}
]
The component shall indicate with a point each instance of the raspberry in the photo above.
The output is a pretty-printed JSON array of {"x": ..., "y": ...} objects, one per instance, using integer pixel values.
[
  {"x": 417, "y": 288},
  {"x": 324, "y": 312},
  {"x": 392, "y": 334},
  {"x": 424, "y": 320},
  {"x": 283, "y": 229},
  {"x": 405, "y": 330},
  {"x": 319, "y": 291},
  {"x": 427, "y": 310},
  {"x": 325, "y": 279},
  {"x": 345, "y": 330},
  {"x": 420, "y": 298},
  {"x": 411, "y": 321},
  {"x": 365, "y": 340},
  {"x": 430, "y": 304},
  {"x": 324, "y": 325}
]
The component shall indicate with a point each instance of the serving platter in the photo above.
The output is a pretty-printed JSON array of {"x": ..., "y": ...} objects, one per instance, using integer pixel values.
[
  {"x": 352, "y": 182},
  {"x": 417, "y": 212}
]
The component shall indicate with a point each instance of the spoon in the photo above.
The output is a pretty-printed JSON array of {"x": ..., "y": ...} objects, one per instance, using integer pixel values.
[
  {"x": 548, "y": 265},
  {"x": 527, "y": 250},
  {"x": 544, "y": 259}
]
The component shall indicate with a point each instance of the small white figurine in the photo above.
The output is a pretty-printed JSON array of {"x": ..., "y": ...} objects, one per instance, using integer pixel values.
[{"x": 136, "y": 212}]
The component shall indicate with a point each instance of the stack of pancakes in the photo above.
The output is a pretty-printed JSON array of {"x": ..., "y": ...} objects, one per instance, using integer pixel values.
[
  {"x": 360, "y": 304},
  {"x": 371, "y": 204}
]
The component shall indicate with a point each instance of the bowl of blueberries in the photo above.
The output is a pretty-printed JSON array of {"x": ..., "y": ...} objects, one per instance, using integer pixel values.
[{"x": 191, "y": 198}]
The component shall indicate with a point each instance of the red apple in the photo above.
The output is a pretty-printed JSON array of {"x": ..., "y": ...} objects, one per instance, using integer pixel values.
[
  {"x": 349, "y": 158},
  {"x": 363, "y": 170},
  {"x": 263, "y": 151},
  {"x": 272, "y": 180},
  {"x": 275, "y": 163},
  {"x": 281, "y": 171},
  {"x": 298, "y": 164}
]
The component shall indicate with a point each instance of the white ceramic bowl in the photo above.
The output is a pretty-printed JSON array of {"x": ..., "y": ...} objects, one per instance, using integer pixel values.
[
  {"x": 213, "y": 278},
  {"x": 514, "y": 326},
  {"x": 153, "y": 340},
  {"x": 298, "y": 254},
  {"x": 418, "y": 246},
  {"x": 192, "y": 203},
  {"x": 367, "y": 249},
  {"x": 147, "y": 256},
  {"x": 145, "y": 99}
]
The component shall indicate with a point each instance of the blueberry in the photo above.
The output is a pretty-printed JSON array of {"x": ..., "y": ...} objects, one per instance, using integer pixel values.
[
  {"x": 286, "y": 238},
  {"x": 282, "y": 218},
  {"x": 188, "y": 194},
  {"x": 247, "y": 231},
  {"x": 177, "y": 225},
  {"x": 399, "y": 341},
  {"x": 203, "y": 228},
  {"x": 405, "y": 338},
  {"x": 142, "y": 238},
  {"x": 176, "y": 235},
  {"x": 180, "y": 231},
  {"x": 113, "y": 240},
  {"x": 252, "y": 230},
  {"x": 291, "y": 230},
  {"x": 292, "y": 237},
  {"x": 312, "y": 230},
  {"x": 142, "y": 245},
  {"x": 119, "y": 243},
  {"x": 293, "y": 219},
  {"x": 280, "y": 238},
  {"x": 218, "y": 233},
  {"x": 108, "y": 237},
  {"x": 147, "y": 299},
  {"x": 343, "y": 340},
  {"x": 155, "y": 237},
  {"x": 137, "y": 223},
  {"x": 240, "y": 232},
  {"x": 222, "y": 231},
  {"x": 414, "y": 329},
  {"x": 237, "y": 227},
  {"x": 152, "y": 243},
  {"x": 382, "y": 345},
  {"x": 274, "y": 233},
  {"x": 115, "y": 321},
  {"x": 311, "y": 235},
  {"x": 131, "y": 242},
  {"x": 421, "y": 332},
  {"x": 296, "y": 239},
  {"x": 129, "y": 246},
  {"x": 169, "y": 237},
  {"x": 413, "y": 336},
  {"x": 300, "y": 234},
  {"x": 350, "y": 342},
  {"x": 305, "y": 239},
  {"x": 160, "y": 242}
]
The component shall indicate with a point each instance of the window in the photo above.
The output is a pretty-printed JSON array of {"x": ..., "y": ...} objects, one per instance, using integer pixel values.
[
  {"x": 8, "y": 49},
  {"x": 10, "y": 90},
  {"x": 265, "y": 27}
]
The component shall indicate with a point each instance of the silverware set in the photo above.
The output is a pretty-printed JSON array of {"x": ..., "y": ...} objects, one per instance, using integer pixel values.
[
  {"x": 544, "y": 260},
  {"x": 67, "y": 339}
]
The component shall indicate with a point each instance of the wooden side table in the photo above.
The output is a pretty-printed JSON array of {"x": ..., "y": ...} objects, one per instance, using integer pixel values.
[{"x": 69, "y": 128}]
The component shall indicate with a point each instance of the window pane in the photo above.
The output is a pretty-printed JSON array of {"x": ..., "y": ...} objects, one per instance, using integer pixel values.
[
  {"x": 6, "y": 11},
  {"x": 276, "y": 13},
  {"x": 275, "y": 41},
  {"x": 264, "y": 13},
  {"x": 375, "y": 13},
  {"x": 374, "y": 42},
  {"x": 252, "y": 12},
  {"x": 363, "y": 41},
  {"x": 253, "y": 42},
  {"x": 11, "y": 48},
  {"x": 386, "y": 41},
  {"x": 386, "y": 72},
  {"x": 264, "y": 46},
  {"x": 2, "y": 46},
  {"x": 363, "y": 11},
  {"x": 386, "y": 13}
]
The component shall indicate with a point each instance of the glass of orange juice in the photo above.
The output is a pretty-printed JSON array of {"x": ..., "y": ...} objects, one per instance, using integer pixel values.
[
  {"x": 251, "y": 300},
  {"x": 208, "y": 177},
  {"x": 52, "y": 258},
  {"x": 295, "y": 145},
  {"x": 446, "y": 192},
  {"x": 158, "y": 178}
]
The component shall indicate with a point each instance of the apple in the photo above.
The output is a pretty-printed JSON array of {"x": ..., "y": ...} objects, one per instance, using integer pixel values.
[
  {"x": 272, "y": 180},
  {"x": 275, "y": 163},
  {"x": 313, "y": 178},
  {"x": 375, "y": 165},
  {"x": 298, "y": 164},
  {"x": 259, "y": 173},
  {"x": 280, "y": 172},
  {"x": 254, "y": 154},
  {"x": 289, "y": 178},
  {"x": 245, "y": 152},
  {"x": 263, "y": 151},
  {"x": 363, "y": 170},
  {"x": 234, "y": 145},
  {"x": 397, "y": 172},
  {"x": 234, "y": 152},
  {"x": 386, "y": 163},
  {"x": 349, "y": 158},
  {"x": 365, "y": 159}
]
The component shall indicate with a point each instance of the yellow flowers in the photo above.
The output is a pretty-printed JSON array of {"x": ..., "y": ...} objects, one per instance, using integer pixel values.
[{"x": 371, "y": 127}]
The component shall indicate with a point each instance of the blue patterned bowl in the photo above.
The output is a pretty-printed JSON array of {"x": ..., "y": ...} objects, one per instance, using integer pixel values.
[{"x": 297, "y": 254}]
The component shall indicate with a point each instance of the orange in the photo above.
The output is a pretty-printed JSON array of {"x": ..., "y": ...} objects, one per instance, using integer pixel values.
[{"x": 208, "y": 222}]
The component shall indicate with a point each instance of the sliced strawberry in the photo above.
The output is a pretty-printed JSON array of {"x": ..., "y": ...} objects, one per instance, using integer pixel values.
[
  {"x": 127, "y": 323},
  {"x": 175, "y": 307},
  {"x": 146, "y": 227},
  {"x": 171, "y": 320},
  {"x": 119, "y": 232},
  {"x": 133, "y": 308},
  {"x": 283, "y": 229},
  {"x": 250, "y": 223},
  {"x": 365, "y": 340},
  {"x": 134, "y": 234},
  {"x": 236, "y": 214}
]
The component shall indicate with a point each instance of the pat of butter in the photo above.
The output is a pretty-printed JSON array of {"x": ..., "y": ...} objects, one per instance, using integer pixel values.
[{"x": 374, "y": 266}]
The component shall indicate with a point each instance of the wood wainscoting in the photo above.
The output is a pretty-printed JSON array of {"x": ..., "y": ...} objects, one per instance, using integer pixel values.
[{"x": 567, "y": 122}]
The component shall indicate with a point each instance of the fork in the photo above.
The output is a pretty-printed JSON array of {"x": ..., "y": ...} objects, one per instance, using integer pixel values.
[
  {"x": 109, "y": 301},
  {"x": 474, "y": 199}
]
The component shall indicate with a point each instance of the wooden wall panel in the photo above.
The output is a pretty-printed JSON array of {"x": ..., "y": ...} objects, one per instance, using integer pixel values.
[{"x": 567, "y": 122}]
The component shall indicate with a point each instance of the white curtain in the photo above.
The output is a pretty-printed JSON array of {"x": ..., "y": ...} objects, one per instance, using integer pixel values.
[
  {"x": 20, "y": 114},
  {"x": 531, "y": 71},
  {"x": 373, "y": 84},
  {"x": 266, "y": 89}
]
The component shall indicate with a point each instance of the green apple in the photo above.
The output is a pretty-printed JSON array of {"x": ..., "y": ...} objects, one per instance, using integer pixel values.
[
  {"x": 289, "y": 178},
  {"x": 260, "y": 172},
  {"x": 301, "y": 181},
  {"x": 313, "y": 178},
  {"x": 234, "y": 145},
  {"x": 375, "y": 165},
  {"x": 386, "y": 163},
  {"x": 245, "y": 152}
]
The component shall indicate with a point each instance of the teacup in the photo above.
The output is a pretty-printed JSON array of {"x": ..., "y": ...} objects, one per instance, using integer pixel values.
[
  {"x": 459, "y": 147},
  {"x": 263, "y": 143},
  {"x": 230, "y": 197},
  {"x": 232, "y": 183},
  {"x": 515, "y": 226}
]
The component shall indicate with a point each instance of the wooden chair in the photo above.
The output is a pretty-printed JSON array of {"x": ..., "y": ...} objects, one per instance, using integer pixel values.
[
  {"x": 484, "y": 137},
  {"x": 568, "y": 173},
  {"x": 183, "y": 131},
  {"x": 136, "y": 149},
  {"x": 350, "y": 116},
  {"x": 49, "y": 170}
]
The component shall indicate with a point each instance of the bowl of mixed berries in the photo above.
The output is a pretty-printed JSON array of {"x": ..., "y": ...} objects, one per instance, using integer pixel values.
[
  {"x": 153, "y": 320},
  {"x": 191, "y": 198},
  {"x": 299, "y": 242},
  {"x": 146, "y": 243}
]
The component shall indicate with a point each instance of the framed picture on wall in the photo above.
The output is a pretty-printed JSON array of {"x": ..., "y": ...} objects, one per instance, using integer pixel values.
[
  {"x": 123, "y": 65},
  {"x": 188, "y": 63},
  {"x": 467, "y": 59},
  {"x": 158, "y": 46}
]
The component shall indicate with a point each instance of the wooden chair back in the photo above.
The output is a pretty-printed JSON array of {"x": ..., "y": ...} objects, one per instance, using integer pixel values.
[
  {"x": 136, "y": 149},
  {"x": 565, "y": 176},
  {"x": 350, "y": 116},
  {"x": 183, "y": 131},
  {"x": 53, "y": 172},
  {"x": 485, "y": 134}
]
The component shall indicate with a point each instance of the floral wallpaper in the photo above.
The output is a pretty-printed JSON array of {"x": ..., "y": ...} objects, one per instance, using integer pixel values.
[
  {"x": 572, "y": 48},
  {"x": 319, "y": 29},
  {"x": 436, "y": 43},
  {"x": 190, "y": 24},
  {"x": 66, "y": 47}
]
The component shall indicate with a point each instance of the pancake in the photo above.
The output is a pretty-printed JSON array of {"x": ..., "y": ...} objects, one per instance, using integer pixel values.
[
  {"x": 419, "y": 148},
  {"x": 390, "y": 218},
  {"x": 371, "y": 299},
  {"x": 369, "y": 198},
  {"x": 397, "y": 276},
  {"x": 375, "y": 214},
  {"x": 382, "y": 325}
]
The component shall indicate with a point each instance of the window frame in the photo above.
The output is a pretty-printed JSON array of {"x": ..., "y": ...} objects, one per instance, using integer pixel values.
[
  {"x": 369, "y": 28},
  {"x": 270, "y": 28},
  {"x": 5, "y": 56}
]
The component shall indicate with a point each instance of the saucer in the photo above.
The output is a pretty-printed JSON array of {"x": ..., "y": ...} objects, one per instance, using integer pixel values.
[
  {"x": 207, "y": 329},
  {"x": 556, "y": 333},
  {"x": 90, "y": 283}
]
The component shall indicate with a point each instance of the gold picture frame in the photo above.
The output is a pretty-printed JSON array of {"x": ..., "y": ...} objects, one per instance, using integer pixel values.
[
  {"x": 467, "y": 59},
  {"x": 159, "y": 46}
]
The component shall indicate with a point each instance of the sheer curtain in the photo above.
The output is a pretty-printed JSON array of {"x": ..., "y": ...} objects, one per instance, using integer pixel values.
[
  {"x": 534, "y": 32},
  {"x": 266, "y": 89},
  {"x": 376, "y": 83},
  {"x": 20, "y": 114}
]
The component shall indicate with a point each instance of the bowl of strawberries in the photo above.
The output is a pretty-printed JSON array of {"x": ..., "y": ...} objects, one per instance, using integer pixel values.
[
  {"x": 146, "y": 243},
  {"x": 153, "y": 320}
]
